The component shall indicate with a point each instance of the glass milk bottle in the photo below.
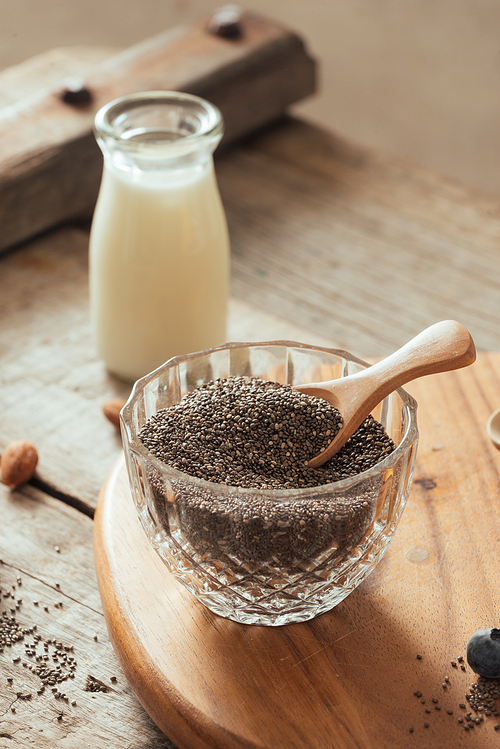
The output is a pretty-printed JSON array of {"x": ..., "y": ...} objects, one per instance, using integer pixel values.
[{"x": 159, "y": 247}]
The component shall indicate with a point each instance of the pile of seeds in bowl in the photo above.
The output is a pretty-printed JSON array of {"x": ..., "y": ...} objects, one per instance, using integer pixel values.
[
  {"x": 258, "y": 529},
  {"x": 256, "y": 434},
  {"x": 251, "y": 433}
]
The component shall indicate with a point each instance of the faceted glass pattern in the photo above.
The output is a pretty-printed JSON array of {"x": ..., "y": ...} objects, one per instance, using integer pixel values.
[{"x": 267, "y": 557}]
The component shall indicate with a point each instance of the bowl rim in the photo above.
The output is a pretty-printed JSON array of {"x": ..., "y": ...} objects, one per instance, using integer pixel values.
[{"x": 132, "y": 441}]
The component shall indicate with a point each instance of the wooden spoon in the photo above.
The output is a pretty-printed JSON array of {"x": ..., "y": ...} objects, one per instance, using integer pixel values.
[{"x": 444, "y": 346}]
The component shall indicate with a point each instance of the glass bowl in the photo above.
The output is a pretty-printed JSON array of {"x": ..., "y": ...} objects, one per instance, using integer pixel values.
[{"x": 265, "y": 556}]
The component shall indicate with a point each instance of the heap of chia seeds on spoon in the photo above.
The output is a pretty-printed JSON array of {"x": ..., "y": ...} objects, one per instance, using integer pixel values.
[{"x": 252, "y": 433}]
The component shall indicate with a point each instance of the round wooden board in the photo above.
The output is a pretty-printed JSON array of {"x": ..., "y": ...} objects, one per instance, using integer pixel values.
[
  {"x": 204, "y": 680},
  {"x": 348, "y": 678}
]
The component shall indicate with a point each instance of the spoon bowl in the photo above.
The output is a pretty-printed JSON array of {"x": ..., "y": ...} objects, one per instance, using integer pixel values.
[
  {"x": 442, "y": 347},
  {"x": 493, "y": 428}
]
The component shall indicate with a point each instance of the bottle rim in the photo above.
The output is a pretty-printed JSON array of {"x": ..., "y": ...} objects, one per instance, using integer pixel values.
[{"x": 207, "y": 123}]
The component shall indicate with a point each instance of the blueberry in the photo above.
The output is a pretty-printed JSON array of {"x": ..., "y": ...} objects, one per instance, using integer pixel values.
[{"x": 483, "y": 652}]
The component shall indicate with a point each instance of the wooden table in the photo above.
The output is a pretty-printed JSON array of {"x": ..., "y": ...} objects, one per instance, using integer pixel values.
[{"x": 331, "y": 244}]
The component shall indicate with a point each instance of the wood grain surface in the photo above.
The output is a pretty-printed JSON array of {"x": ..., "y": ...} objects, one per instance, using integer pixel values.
[
  {"x": 345, "y": 246},
  {"x": 50, "y": 164},
  {"x": 363, "y": 248},
  {"x": 346, "y": 679},
  {"x": 53, "y": 385},
  {"x": 32, "y": 525}
]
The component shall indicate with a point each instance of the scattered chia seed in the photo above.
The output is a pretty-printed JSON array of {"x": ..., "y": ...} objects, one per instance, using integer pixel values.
[
  {"x": 254, "y": 434},
  {"x": 95, "y": 685},
  {"x": 11, "y": 632},
  {"x": 483, "y": 694}
]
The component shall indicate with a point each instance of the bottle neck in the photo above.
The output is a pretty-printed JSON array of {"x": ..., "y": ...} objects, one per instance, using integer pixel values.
[
  {"x": 134, "y": 167},
  {"x": 158, "y": 132}
]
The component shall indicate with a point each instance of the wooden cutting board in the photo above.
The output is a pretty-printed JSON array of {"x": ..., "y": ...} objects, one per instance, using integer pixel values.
[{"x": 348, "y": 678}]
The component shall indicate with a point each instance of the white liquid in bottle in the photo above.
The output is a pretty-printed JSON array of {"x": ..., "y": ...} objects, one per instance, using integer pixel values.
[{"x": 159, "y": 263}]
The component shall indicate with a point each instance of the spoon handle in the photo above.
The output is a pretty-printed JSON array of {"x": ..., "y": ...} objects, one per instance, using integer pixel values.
[{"x": 442, "y": 347}]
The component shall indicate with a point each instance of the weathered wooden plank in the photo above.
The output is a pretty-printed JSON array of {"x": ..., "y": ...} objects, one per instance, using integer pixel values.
[
  {"x": 48, "y": 70},
  {"x": 50, "y": 165},
  {"x": 40, "y": 578},
  {"x": 365, "y": 249}
]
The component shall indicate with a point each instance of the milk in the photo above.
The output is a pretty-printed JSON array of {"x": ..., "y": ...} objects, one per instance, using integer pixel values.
[{"x": 159, "y": 266}]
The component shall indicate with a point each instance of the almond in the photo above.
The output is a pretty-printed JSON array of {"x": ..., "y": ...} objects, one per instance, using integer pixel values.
[
  {"x": 18, "y": 463},
  {"x": 111, "y": 410}
]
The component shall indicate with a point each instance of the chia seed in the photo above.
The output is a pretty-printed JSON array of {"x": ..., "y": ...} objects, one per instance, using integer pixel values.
[{"x": 253, "y": 434}]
